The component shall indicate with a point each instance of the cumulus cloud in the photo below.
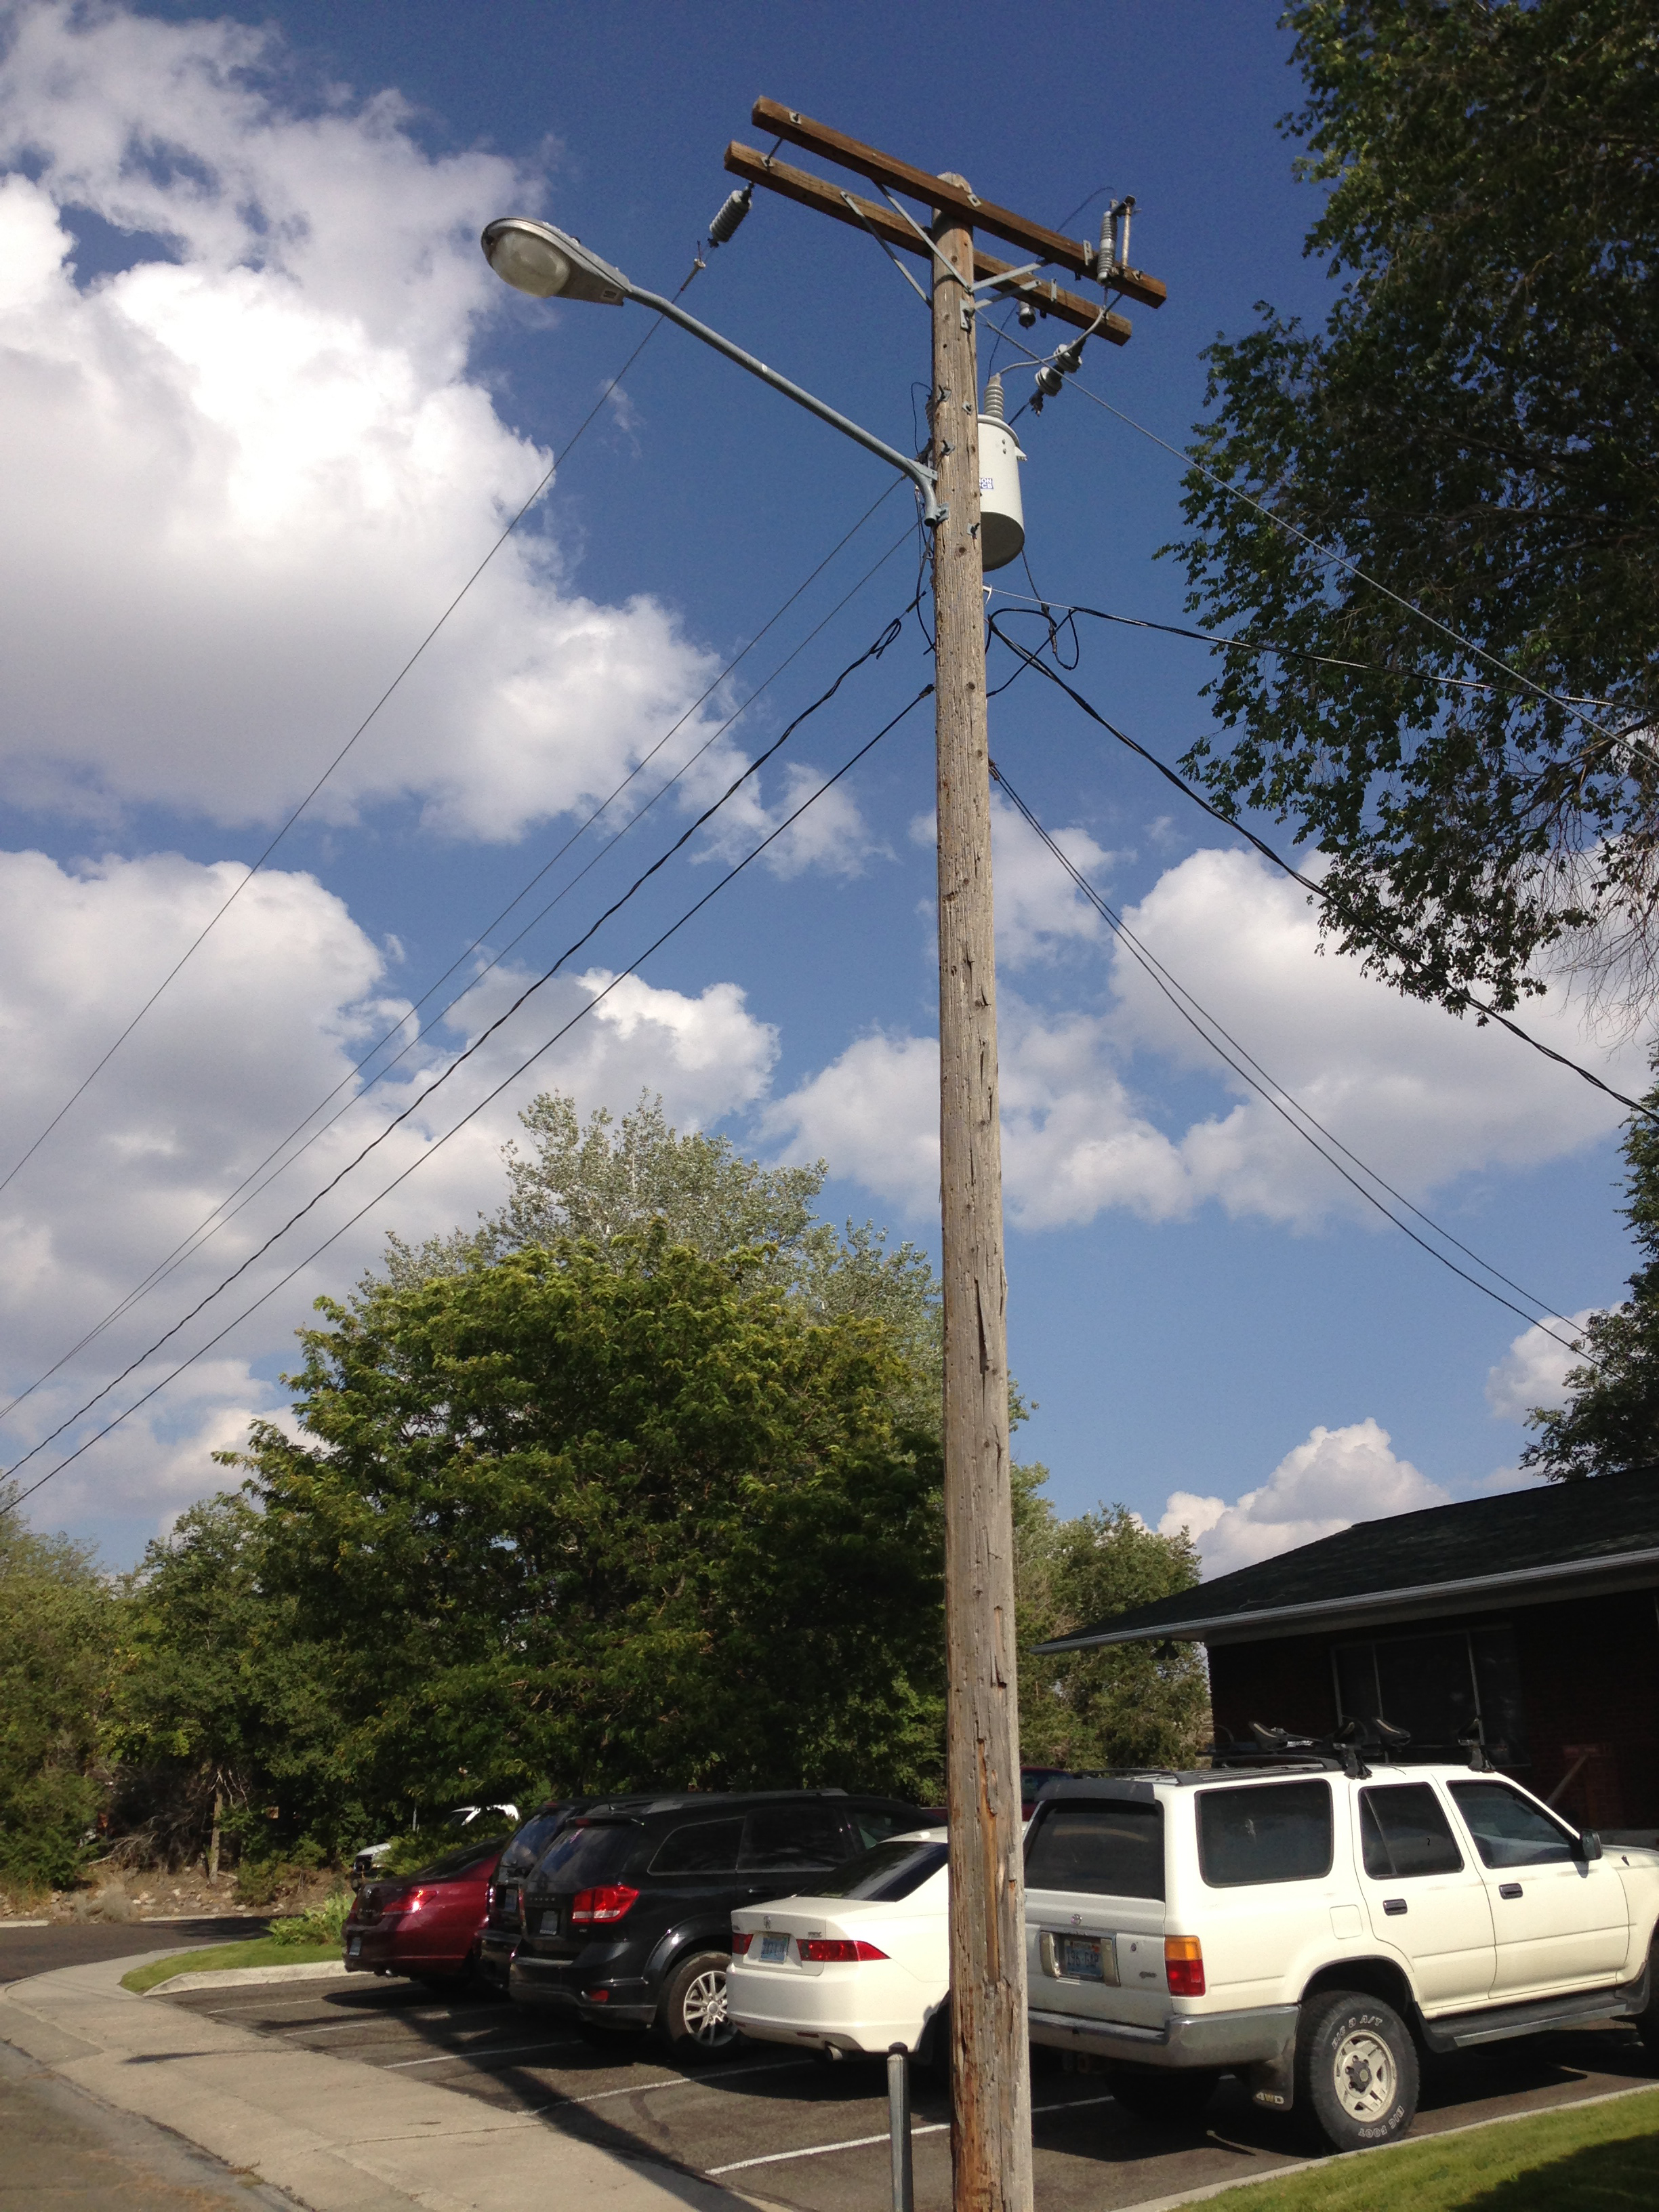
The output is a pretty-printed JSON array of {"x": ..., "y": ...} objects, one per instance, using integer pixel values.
[
  {"x": 202, "y": 1095},
  {"x": 1038, "y": 908},
  {"x": 1339, "y": 1476},
  {"x": 246, "y": 473},
  {"x": 1534, "y": 1371},
  {"x": 1419, "y": 1096}
]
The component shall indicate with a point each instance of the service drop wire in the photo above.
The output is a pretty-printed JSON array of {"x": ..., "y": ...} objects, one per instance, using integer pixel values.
[
  {"x": 873, "y": 651},
  {"x": 523, "y": 1068},
  {"x": 1236, "y": 829},
  {"x": 251, "y": 1187},
  {"x": 221, "y": 911},
  {"x": 1241, "y": 1062}
]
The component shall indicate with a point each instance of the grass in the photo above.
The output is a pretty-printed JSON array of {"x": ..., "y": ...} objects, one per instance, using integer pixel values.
[
  {"x": 1595, "y": 2158},
  {"x": 258, "y": 1950}
]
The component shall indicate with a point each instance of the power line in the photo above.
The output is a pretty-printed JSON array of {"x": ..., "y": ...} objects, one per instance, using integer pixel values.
[
  {"x": 1239, "y": 829},
  {"x": 219, "y": 914},
  {"x": 523, "y": 1068},
  {"x": 1241, "y": 1062},
  {"x": 234, "y": 1203},
  {"x": 871, "y": 653}
]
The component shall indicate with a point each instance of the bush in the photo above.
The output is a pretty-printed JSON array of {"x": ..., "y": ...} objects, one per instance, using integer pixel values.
[{"x": 318, "y": 1923}]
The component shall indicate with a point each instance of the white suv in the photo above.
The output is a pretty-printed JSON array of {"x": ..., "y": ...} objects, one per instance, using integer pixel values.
[{"x": 1311, "y": 1924}]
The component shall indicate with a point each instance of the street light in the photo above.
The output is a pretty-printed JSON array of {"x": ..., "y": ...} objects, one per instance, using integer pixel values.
[{"x": 550, "y": 264}]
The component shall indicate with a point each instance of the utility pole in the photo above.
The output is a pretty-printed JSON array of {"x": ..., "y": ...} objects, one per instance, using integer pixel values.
[{"x": 991, "y": 2120}]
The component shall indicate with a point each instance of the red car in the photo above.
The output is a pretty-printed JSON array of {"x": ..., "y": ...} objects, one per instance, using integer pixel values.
[{"x": 428, "y": 1925}]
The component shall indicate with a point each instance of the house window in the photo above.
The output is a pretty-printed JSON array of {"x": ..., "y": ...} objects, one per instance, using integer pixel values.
[{"x": 1437, "y": 1686}]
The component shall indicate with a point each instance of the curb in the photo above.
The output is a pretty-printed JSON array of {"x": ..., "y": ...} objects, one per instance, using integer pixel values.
[{"x": 243, "y": 1977}]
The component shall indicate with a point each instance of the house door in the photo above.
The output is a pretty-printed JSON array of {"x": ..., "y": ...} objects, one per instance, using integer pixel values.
[{"x": 1424, "y": 1897}]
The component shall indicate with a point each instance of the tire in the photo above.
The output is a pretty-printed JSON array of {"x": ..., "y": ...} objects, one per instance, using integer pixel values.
[
  {"x": 1171, "y": 2096},
  {"x": 1356, "y": 2072},
  {"x": 692, "y": 2016},
  {"x": 1646, "y": 2022}
]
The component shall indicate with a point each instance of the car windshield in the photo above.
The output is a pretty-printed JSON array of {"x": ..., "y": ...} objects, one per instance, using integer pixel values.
[
  {"x": 527, "y": 1846},
  {"x": 884, "y": 1873},
  {"x": 474, "y": 1859},
  {"x": 586, "y": 1852}
]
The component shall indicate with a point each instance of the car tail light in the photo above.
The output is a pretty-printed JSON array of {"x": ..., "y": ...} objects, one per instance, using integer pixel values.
[
  {"x": 611, "y": 1900},
  {"x": 835, "y": 1950},
  {"x": 741, "y": 1939},
  {"x": 1183, "y": 1966}
]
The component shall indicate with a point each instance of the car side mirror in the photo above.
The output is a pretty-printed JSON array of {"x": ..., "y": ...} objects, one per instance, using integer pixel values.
[{"x": 1590, "y": 1845}]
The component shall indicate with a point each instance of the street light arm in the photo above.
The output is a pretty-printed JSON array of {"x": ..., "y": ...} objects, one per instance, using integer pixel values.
[{"x": 919, "y": 473}]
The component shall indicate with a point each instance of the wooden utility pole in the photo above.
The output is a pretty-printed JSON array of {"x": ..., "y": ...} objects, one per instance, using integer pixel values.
[{"x": 991, "y": 2123}]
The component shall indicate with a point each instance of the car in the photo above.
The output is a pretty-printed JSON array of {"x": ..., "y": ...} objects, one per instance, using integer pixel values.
[
  {"x": 1313, "y": 1924},
  {"x": 496, "y": 1816},
  {"x": 504, "y": 1900},
  {"x": 861, "y": 1962},
  {"x": 627, "y": 1919},
  {"x": 426, "y": 1925}
]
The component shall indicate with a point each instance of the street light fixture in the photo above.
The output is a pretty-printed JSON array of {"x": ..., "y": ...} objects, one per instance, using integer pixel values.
[{"x": 550, "y": 264}]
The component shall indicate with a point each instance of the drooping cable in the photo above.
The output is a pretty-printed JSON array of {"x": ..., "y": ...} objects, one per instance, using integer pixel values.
[
  {"x": 523, "y": 1068},
  {"x": 873, "y": 651}
]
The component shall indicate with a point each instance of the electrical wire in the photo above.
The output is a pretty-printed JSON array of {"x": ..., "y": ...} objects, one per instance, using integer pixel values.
[
  {"x": 235, "y": 1202},
  {"x": 219, "y": 914},
  {"x": 873, "y": 651},
  {"x": 1237, "y": 828},
  {"x": 523, "y": 1068},
  {"x": 1285, "y": 1104}
]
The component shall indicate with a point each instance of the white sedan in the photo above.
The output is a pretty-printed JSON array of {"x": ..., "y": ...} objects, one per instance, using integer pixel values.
[{"x": 860, "y": 1965}]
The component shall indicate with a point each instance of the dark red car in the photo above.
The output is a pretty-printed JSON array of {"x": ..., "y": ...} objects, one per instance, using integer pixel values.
[{"x": 428, "y": 1925}]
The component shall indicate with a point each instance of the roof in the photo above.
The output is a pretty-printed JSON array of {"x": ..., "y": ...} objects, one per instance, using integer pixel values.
[{"x": 1528, "y": 1547}]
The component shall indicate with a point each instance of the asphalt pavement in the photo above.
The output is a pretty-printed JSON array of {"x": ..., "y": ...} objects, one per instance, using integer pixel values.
[{"x": 25, "y": 1951}]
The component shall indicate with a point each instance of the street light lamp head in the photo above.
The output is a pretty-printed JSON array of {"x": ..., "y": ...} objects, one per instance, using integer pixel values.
[{"x": 548, "y": 264}]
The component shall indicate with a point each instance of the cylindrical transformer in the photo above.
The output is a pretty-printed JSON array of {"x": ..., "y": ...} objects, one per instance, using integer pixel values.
[{"x": 1002, "y": 516}]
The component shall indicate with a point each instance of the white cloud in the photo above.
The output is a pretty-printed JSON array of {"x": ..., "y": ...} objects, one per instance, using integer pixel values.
[
  {"x": 245, "y": 475},
  {"x": 1534, "y": 1371},
  {"x": 1339, "y": 1476},
  {"x": 1038, "y": 908},
  {"x": 202, "y": 1093}
]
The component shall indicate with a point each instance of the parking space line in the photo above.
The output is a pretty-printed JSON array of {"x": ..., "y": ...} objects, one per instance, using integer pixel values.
[
  {"x": 454, "y": 2057},
  {"x": 865, "y": 2142},
  {"x": 686, "y": 2081}
]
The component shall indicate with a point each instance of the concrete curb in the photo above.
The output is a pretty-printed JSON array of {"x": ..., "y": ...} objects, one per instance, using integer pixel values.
[
  {"x": 244, "y": 1978},
  {"x": 334, "y": 2136}
]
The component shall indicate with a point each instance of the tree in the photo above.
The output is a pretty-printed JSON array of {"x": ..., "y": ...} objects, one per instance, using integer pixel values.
[
  {"x": 1611, "y": 1420},
  {"x": 1122, "y": 1705},
  {"x": 1477, "y": 427},
  {"x": 610, "y": 1517},
  {"x": 57, "y": 1621}
]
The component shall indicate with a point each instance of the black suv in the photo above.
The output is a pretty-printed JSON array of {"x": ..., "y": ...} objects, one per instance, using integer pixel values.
[
  {"x": 503, "y": 1927},
  {"x": 627, "y": 1919}
]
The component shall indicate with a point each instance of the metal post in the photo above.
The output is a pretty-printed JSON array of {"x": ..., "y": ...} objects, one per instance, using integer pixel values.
[
  {"x": 898, "y": 2127},
  {"x": 991, "y": 2119}
]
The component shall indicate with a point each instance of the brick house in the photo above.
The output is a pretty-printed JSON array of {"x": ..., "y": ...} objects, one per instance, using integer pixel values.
[{"x": 1536, "y": 1613}]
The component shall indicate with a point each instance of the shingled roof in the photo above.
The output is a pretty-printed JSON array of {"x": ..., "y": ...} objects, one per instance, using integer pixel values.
[{"x": 1528, "y": 1547}]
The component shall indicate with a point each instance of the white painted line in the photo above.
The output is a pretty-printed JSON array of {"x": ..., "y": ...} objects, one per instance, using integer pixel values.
[
  {"x": 682, "y": 2082},
  {"x": 865, "y": 2142},
  {"x": 25, "y": 1924},
  {"x": 456, "y": 2057}
]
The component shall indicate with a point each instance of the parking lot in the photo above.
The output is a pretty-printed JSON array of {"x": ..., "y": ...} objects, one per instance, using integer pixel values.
[{"x": 809, "y": 2134}]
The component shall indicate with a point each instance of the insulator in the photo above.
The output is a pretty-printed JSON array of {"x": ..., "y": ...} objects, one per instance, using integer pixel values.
[
  {"x": 733, "y": 210},
  {"x": 1027, "y": 314},
  {"x": 994, "y": 408},
  {"x": 1049, "y": 381},
  {"x": 1069, "y": 358}
]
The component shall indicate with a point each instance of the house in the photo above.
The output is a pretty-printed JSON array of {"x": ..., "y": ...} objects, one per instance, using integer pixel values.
[{"x": 1535, "y": 1614}]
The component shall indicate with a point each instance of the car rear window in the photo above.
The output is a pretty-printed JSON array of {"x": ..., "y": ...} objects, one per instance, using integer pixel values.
[
  {"x": 589, "y": 1851},
  {"x": 1509, "y": 1829},
  {"x": 792, "y": 1838},
  {"x": 527, "y": 1846},
  {"x": 699, "y": 1847},
  {"x": 1403, "y": 1831},
  {"x": 455, "y": 1864},
  {"x": 1272, "y": 1831},
  {"x": 1104, "y": 1848},
  {"x": 886, "y": 1874}
]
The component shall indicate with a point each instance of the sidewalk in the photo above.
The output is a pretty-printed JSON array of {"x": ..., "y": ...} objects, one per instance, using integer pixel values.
[{"x": 330, "y": 2135}]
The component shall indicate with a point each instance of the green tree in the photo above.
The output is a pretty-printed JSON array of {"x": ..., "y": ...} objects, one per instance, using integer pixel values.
[
  {"x": 1611, "y": 1420},
  {"x": 1125, "y": 1705},
  {"x": 1477, "y": 426},
  {"x": 58, "y": 1626},
  {"x": 608, "y": 1517}
]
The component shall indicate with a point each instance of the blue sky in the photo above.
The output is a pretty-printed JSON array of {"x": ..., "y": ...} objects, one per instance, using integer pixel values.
[{"x": 268, "y": 411}]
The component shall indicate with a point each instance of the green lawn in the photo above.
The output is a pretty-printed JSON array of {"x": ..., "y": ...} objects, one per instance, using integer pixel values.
[
  {"x": 260, "y": 1951},
  {"x": 1598, "y": 2158}
]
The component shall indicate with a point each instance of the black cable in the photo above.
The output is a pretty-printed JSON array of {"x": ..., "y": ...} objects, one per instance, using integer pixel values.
[
  {"x": 1197, "y": 1016},
  {"x": 1238, "y": 829},
  {"x": 235, "y": 1201},
  {"x": 218, "y": 915},
  {"x": 871, "y": 653},
  {"x": 523, "y": 1068}
]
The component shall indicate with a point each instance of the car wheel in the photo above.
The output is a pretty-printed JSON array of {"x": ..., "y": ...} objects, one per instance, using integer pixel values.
[
  {"x": 1356, "y": 2071},
  {"x": 1173, "y": 2096},
  {"x": 693, "y": 2015},
  {"x": 1647, "y": 2020}
]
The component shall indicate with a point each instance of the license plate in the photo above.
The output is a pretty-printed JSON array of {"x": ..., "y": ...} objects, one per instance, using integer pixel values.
[
  {"x": 355, "y": 1947},
  {"x": 1080, "y": 1958},
  {"x": 775, "y": 1949}
]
